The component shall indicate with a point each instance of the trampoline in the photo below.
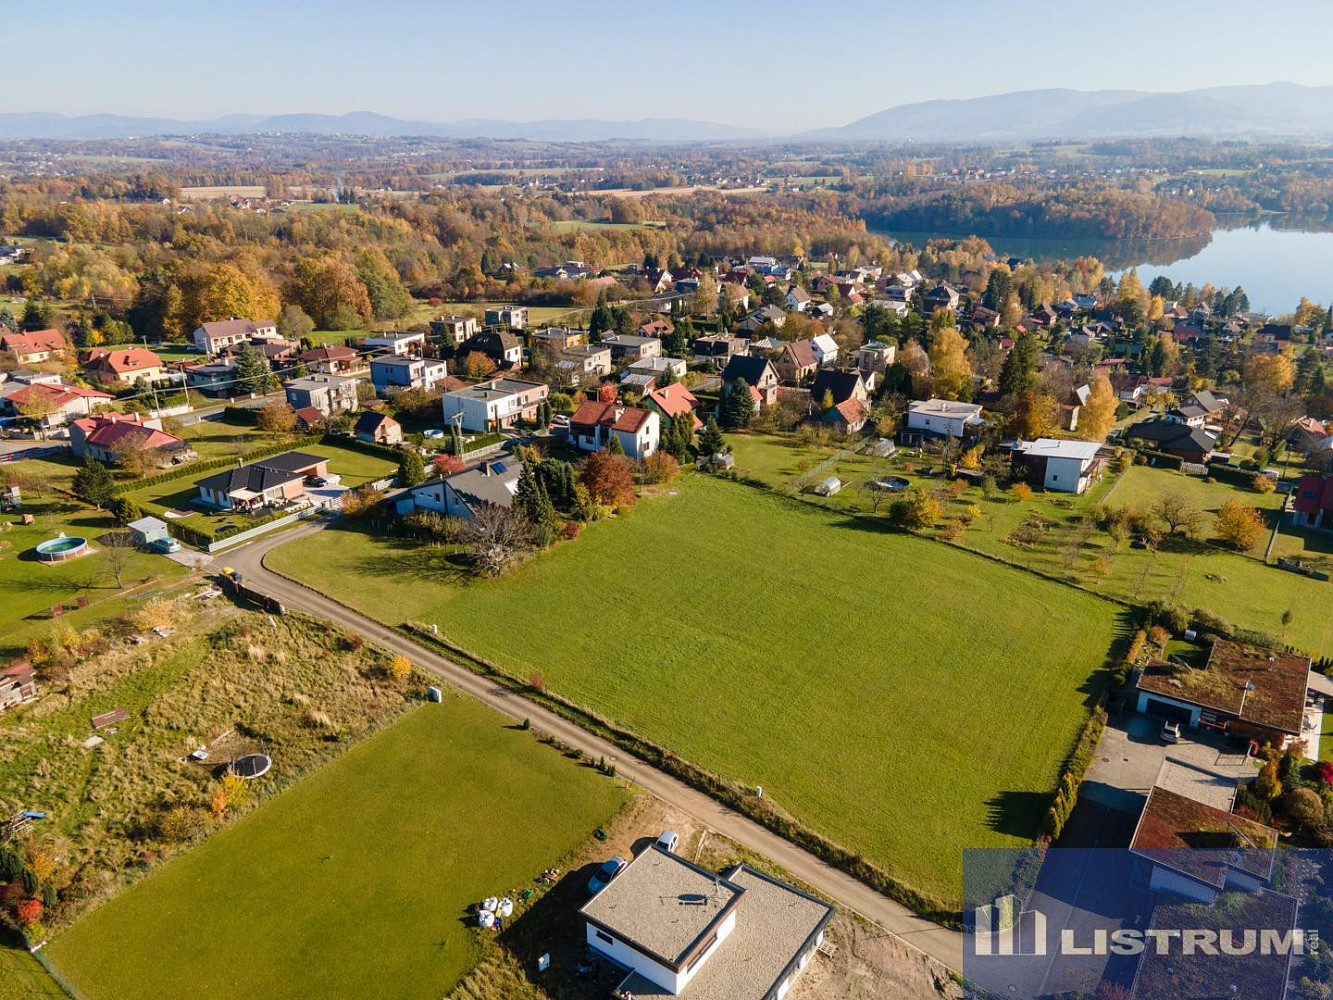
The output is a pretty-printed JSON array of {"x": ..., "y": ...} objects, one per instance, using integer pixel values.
[{"x": 252, "y": 765}]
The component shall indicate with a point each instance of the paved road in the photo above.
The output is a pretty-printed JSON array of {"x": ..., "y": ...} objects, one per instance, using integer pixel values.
[{"x": 943, "y": 945}]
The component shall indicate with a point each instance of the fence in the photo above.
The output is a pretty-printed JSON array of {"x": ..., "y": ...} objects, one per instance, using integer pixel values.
[{"x": 262, "y": 529}]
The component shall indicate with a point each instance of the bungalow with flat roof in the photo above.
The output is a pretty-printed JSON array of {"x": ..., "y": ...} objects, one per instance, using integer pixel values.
[
  {"x": 557, "y": 338},
  {"x": 400, "y": 343},
  {"x": 680, "y": 930},
  {"x": 1059, "y": 465},
  {"x": 943, "y": 417},
  {"x": 272, "y": 480},
  {"x": 494, "y": 405},
  {"x": 1243, "y": 689},
  {"x": 593, "y": 425},
  {"x": 454, "y": 329}
]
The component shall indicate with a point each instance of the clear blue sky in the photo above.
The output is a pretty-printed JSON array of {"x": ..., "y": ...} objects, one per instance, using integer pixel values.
[{"x": 774, "y": 65}]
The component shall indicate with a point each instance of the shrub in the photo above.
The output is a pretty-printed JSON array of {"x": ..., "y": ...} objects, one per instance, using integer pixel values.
[
  {"x": 661, "y": 467},
  {"x": 1262, "y": 484},
  {"x": 400, "y": 668},
  {"x": 1239, "y": 525},
  {"x": 1021, "y": 491},
  {"x": 181, "y": 823},
  {"x": 1304, "y": 807},
  {"x": 570, "y": 530},
  {"x": 1158, "y": 635}
]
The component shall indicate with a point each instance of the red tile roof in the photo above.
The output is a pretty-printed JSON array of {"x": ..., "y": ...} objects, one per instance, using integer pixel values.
[
  {"x": 628, "y": 419},
  {"x": 333, "y": 352},
  {"x": 108, "y": 430},
  {"x": 126, "y": 360},
  {"x": 31, "y": 343},
  {"x": 1313, "y": 494},
  {"x": 55, "y": 396}
]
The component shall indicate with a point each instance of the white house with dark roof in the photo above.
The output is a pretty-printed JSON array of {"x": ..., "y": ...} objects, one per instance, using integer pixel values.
[
  {"x": 681, "y": 930},
  {"x": 464, "y": 493}
]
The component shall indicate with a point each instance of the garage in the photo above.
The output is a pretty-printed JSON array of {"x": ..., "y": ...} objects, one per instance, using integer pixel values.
[{"x": 1165, "y": 710}]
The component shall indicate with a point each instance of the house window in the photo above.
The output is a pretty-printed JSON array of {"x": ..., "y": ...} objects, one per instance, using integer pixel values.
[{"x": 601, "y": 936}]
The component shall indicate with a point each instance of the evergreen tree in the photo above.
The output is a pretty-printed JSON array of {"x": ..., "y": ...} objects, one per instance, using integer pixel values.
[
  {"x": 710, "y": 440},
  {"x": 1305, "y": 370},
  {"x": 411, "y": 469},
  {"x": 527, "y": 494},
  {"x": 684, "y": 427},
  {"x": 545, "y": 523},
  {"x": 613, "y": 444},
  {"x": 93, "y": 484},
  {"x": 252, "y": 371},
  {"x": 601, "y": 320},
  {"x": 737, "y": 405},
  {"x": 1019, "y": 370}
]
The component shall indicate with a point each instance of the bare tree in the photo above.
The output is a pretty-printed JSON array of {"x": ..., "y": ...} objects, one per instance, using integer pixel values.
[
  {"x": 1178, "y": 514},
  {"x": 117, "y": 551},
  {"x": 496, "y": 536}
]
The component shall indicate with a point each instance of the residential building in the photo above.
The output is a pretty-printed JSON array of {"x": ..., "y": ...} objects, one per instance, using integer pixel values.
[
  {"x": 899, "y": 307},
  {"x": 514, "y": 317},
  {"x": 1188, "y": 414},
  {"x": 1059, "y": 465},
  {"x": 107, "y": 436},
  {"x": 463, "y": 494},
  {"x": 494, "y": 405},
  {"x": 557, "y": 338},
  {"x": 500, "y": 346},
  {"x": 875, "y": 357},
  {"x": 34, "y": 347},
  {"x": 659, "y": 327},
  {"x": 273, "y": 481},
  {"x": 672, "y": 400},
  {"x": 123, "y": 367},
  {"x": 758, "y": 372},
  {"x": 825, "y": 348},
  {"x": 742, "y": 935},
  {"x": 832, "y": 386},
  {"x": 659, "y": 367},
  {"x": 335, "y": 359},
  {"x": 213, "y": 378},
  {"x": 593, "y": 425},
  {"x": 1191, "y": 444},
  {"x": 762, "y": 315},
  {"x": 211, "y": 338},
  {"x": 1307, "y": 433},
  {"x": 401, "y": 343},
  {"x": 280, "y": 354},
  {"x": 49, "y": 405},
  {"x": 1312, "y": 502},
  {"x": 942, "y": 296},
  {"x": 584, "y": 363},
  {"x": 378, "y": 428},
  {"x": 798, "y": 299},
  {"x": 630, "y": 348},
  {"x": 454, "y": 329},
  {"x": 329, "y": 394},
  {"x": 943, "y": 417},
  {"x": 391, "y": 372},
  {"x": 718, "y": 350},
  {"x": 1243, "y": 690},
  {"x": 797, "y": 362}
]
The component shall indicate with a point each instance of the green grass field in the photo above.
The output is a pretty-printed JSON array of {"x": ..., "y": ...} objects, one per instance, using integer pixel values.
[
  {"x": 355, "y": 882},
  {"x": 21, "y": 976},
  {"x": 905, "y": 698}
]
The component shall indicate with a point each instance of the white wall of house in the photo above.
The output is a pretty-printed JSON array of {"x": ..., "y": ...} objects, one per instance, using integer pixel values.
[
  {"x": 935, "y": 424},
  {"x": 669, "y": 979},
  {"x": 1067, "y": 475}
]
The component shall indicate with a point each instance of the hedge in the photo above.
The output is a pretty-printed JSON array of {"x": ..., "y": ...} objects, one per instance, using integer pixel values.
[
  {"x": 1232, "y": 475},
  {"x": 365, "y": 447},
  {"x": 193, "y": 468},
  {"x": 241, "y": 415},
  {"x": 476, "y": 444},
  {"x": 1161, "y": 460}
]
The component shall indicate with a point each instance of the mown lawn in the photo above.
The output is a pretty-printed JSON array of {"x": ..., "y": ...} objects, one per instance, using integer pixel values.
[
  {"x": 903, "y": 697},
  {"x": 355, "y": 882},
  {"x": 21, "y": 976}
]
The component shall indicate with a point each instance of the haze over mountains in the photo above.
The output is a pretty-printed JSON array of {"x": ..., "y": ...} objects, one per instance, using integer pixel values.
[{"x": 1277, "y": 110}]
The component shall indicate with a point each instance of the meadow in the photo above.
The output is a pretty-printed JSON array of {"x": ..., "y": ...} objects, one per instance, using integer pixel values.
[
  {"x": 356, "y": 881},
  {"x": 904, "y": 698}
]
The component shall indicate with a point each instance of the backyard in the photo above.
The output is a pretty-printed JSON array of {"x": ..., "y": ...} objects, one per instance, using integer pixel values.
[
  {"x": 904, "y": 698},
  {"x": 356, "y": 881}
]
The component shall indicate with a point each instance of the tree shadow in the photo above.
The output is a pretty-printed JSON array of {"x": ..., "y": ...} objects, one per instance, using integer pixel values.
[{"x": 1017, "y": 814}]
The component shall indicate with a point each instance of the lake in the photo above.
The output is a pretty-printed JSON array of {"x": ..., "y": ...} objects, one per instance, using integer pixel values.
[{"x": 1275, "y": 266}]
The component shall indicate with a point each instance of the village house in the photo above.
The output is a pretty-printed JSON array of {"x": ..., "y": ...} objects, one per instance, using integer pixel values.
[
  {"x": 329, "y": 394},
  {"x": 658, "y": 367},
  {"x": 593, "y": 424},
  {"x": 798, "y": 299},
  {"x": 942, "y": 296},
  {"x": 680, "y": 930},
  {"x": 378, "y": 428},
  {"x": 1243, "y": 690},
  {"x": 275, "y": 481},
  {"x": 557, "y": 338},
  {"x": 213, "y": 378},
  {"x": 494, "y": 405},
  {"x": 34, "y": 347},
  {"x": 1188, "y": 414},
  {"x": 390, "y": 373},
  {"x": 1058, "y": 465},
  {"x": 1312, "y": 502},
  {"x": 899, "y": 307},
  {"x": 212, "y": 338},
  {"x": 454, "y": 329},
  {"x": 463, "y": 494},
  {"x": 825, "y": 348},
  {"x": 629, "y": 348},
  {"x": 107, "y": 436},
  {"x": 671, "y": 401},
  {"x": 1306, "y": 435},
  {"x": 943, "y": 417},
  {"x": 797, "y": 363},
  {"x": 762, "y": 315},
  {"x": 513, "y": 317},
  {"x": 122, "y": 367},
  {"x": 758, "y": 373},
  {"x": 718, "y": 350},
  {"x": 277, "y": 352},
  {"x": 49, "y": 404},
  {"x": 335, "y": 359},
  {"x": 401, "y": 343},
  {"x": 658, "y": 328},
  {"x": 583, "y": 363},
  {"x": 500, "y": 346},
  {"x": 840, "y": 399},
  {"x": 1191, "y": 444},
  {"x": 875, "y": 357}
]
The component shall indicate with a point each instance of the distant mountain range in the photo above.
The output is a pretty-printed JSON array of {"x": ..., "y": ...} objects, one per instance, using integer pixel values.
[
  {"x": 51, "y": 126},
  {"x": 1262, "y": 111},
  {"x": 1275, "y": 110}
]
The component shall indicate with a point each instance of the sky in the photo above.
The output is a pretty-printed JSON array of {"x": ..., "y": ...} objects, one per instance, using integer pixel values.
[{"x": 776, "y": 66}]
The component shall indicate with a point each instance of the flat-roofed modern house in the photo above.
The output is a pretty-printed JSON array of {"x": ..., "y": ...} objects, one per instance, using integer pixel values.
[
  {"x": 390, "y": 372},
  {"x": 454, "y": 329},
  {"x": 269, "y": 481},
  {"x": 681, "y": 930},
  {"x": 629, "y": 347},
  {"x": 216, "y": 336},
  {"x": 329, "y": 394},
  {"x": 403, "y": 343},
  {"x": 1059, "y": 465},
  {"x": 1243, "y": 690},
  {"x": 514, "y": 317},
  {"x": 943, "y": 417},
  {"x": 494, "y": 405}
]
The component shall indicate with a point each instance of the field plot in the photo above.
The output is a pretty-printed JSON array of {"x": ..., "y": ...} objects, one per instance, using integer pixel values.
[
  {"x": 355, "y": 882},
  {"x": 223, "y": 191},
  {"x": 905, "y": 698}
]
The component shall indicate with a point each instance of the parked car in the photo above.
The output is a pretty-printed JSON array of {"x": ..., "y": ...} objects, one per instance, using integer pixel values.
[
  {"x": 316, "y": 481},
  {"x": 166, "y": 545},
  {"x": 1171, "y": 732},
  {"x": 667, "y": 840},
  {"x": 603, "y": 876}
]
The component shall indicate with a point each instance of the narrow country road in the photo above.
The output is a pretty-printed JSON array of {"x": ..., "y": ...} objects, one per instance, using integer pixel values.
[{"x": 944, "y": 945}]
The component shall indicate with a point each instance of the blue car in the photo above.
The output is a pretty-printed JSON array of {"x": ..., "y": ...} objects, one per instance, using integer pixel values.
[{"x": 603, "y": 876}]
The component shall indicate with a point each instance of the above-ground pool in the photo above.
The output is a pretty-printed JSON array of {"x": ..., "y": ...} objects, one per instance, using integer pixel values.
[
  {"x": 892, "y": 483},
  {"x": 62, "y": 548},
  {"x": 252, "y": 765}
]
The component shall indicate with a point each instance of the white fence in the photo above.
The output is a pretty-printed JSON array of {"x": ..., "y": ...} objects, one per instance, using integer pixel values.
[{"x": 255, "y": 532}]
